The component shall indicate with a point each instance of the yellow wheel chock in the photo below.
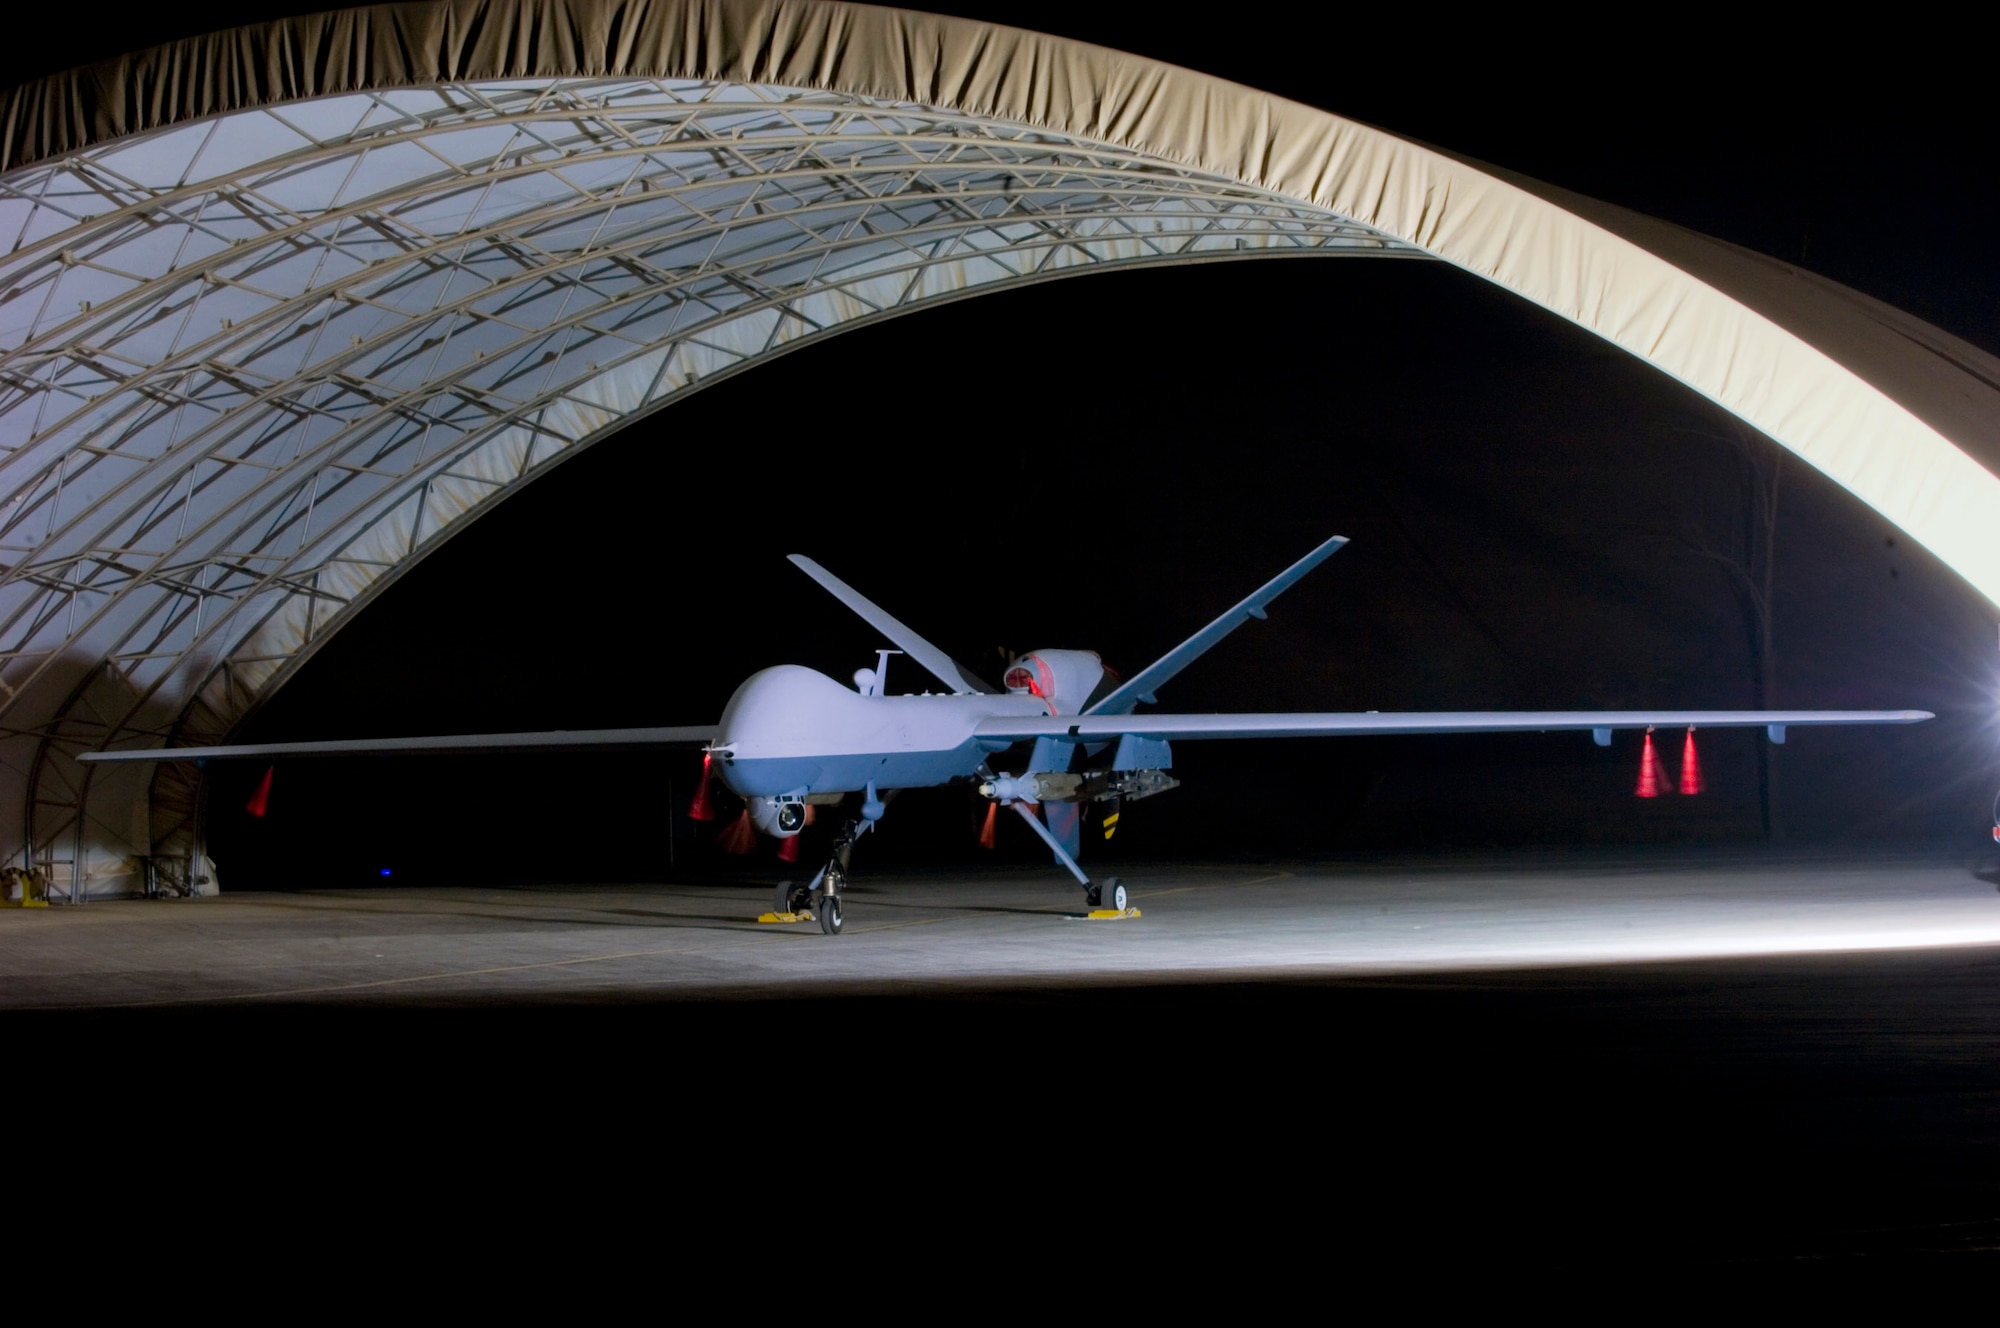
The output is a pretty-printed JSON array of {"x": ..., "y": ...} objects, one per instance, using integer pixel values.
[{"x": 33, "y": 884}]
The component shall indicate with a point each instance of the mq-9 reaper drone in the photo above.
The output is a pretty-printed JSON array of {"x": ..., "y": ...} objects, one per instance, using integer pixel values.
[{"x": 791, "y": 737}]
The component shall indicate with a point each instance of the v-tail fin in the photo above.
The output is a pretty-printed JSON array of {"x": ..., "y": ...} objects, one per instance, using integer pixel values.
[{"x": 1141, "y": 686}]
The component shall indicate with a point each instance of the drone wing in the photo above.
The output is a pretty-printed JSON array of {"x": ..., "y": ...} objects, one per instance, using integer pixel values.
[
  {"x": 941, "y": 666},
  {"x": 561, "y": 740},
  {"x": 1102, "y": 728}
]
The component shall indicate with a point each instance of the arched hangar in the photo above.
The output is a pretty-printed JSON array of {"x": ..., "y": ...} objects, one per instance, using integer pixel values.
[{"x": 282, "y": 308}]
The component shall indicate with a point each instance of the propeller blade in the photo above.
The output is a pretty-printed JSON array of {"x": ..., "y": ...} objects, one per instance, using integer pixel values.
[
  {"x": 788, "y": 849},
  {"x": 986, "y": 831}
]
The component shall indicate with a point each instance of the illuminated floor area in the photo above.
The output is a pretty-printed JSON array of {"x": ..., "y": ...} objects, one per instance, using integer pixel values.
[
  {"x": 1669, "y": 1058},
  {"x": 910, "y": 932}
]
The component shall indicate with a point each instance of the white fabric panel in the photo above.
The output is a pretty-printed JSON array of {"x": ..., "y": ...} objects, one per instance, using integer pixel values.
[{"x": 1870, "y": 418}]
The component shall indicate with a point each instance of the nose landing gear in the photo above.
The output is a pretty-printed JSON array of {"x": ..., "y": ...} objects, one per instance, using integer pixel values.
[
  {"x": 824, "y": 893},
  {"x": 793, "y": 898}
]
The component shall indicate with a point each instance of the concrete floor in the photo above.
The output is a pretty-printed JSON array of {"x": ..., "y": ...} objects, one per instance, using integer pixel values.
[
  {"x": 1662, "y": 1057},
  {"x": 912, "y": 932}
]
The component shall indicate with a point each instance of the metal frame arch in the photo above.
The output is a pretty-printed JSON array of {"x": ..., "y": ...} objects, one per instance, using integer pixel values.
[
  {"x": 1868, "y": 408},
  {"x": 869, "y": 224},
  {"x": 406, "y": 403}
]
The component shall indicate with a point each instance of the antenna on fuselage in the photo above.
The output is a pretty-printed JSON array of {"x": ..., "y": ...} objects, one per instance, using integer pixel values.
[{"x": 875, "y": 681}]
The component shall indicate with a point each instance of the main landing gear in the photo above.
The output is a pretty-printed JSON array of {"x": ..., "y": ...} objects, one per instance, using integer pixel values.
[
  {"x": 1094, "y": 894},
  {"x": 1109, "y": 894},
  {"x": 833, "y": 879}
]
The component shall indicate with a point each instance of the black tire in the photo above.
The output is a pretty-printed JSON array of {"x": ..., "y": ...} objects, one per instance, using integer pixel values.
[
  {"x": 784, "y": 904},
  {"x": 830, "y": 920},
  {"x": 1114, "y": 894}
]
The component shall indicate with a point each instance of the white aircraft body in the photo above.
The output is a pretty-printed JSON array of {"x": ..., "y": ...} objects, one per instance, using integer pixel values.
[{"x": 791, "y": 737}]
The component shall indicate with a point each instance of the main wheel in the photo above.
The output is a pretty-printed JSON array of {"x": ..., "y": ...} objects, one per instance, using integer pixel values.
[
  {"x": 784, "y": 904},
  {"x": 829, "y": 915},
  {"x": 1114, "y": 894}
]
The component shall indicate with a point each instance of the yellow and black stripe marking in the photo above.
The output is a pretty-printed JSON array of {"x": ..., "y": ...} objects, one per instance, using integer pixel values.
[{"x": 1111, "y": 825}]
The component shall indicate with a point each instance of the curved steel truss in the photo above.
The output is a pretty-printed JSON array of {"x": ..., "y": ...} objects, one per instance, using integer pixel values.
[{"x": 253, "y": 367}]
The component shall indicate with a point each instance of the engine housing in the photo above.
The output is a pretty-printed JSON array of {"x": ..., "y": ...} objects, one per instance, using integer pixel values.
[{"x": 1065, "y": 679}]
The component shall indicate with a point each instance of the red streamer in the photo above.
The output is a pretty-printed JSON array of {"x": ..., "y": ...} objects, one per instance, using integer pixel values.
[
  {"x": 740, "y": 837},
  {"x": 260, "y": 801},
  {"x": 701, "y": 809},
  {"x": 1691, "y": 780},
  {"x": 1650, "y": 777}
]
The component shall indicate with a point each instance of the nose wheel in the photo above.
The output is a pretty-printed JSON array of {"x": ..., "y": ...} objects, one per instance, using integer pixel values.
[
  {"x": 793, "y": 897},
  {"x": 826, "y": 897},
  {"x": 823, "y": 895}
]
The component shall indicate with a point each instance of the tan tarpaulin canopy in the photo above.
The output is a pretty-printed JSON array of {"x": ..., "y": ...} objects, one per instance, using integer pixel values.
[
  {"x": 1904, "y": 416},
  {"x": 1886, "y": 406}
]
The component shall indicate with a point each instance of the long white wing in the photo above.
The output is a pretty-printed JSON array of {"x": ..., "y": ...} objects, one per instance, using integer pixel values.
[
  {"x": 941, "y": 666},
  {"x": 1313, "y": 724},
  {"x": 560, "y": 740}
]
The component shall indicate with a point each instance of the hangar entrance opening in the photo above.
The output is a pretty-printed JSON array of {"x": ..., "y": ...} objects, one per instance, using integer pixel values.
[{"x": 274, "y": 330}]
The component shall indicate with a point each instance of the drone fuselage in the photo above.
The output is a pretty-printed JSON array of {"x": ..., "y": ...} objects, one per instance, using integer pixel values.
[{"x": 790, "y": 730}]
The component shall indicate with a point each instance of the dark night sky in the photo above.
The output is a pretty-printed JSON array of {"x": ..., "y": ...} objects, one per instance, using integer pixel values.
[{"x": 1106, "y": 462}]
